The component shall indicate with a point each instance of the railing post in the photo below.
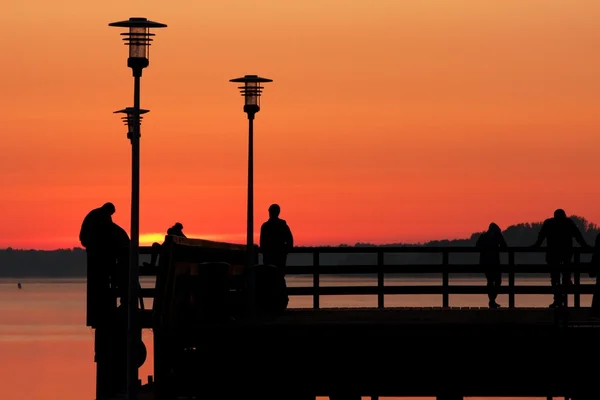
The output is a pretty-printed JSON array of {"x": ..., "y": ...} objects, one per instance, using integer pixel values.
[
  {"x": 511, "y": 279},
  {"x": 380, "y": 282},
  {"x": 316, "y": 279},
  {"x": 445, "y": 279},
  {"x": 576, "y": 280}
]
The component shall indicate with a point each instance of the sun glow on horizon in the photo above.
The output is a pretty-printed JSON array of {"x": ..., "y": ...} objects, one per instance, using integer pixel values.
[{"x": 147, "y": 239}]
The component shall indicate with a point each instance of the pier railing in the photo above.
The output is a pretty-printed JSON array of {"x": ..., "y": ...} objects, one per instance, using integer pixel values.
[{"x": 445, "y": 269}]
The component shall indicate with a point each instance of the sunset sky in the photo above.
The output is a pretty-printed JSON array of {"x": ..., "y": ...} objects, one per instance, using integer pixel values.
[{"x": 387, "y": 121}]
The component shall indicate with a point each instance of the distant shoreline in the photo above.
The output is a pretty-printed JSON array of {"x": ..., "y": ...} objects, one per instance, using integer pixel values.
[
  {"x": 83, "y": 279},
  {"x": 70, "y": 264}
]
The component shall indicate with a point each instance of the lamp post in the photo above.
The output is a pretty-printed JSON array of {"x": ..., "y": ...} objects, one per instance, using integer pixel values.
[
  {"x": 251, "y": 90},
  {"x": 138, "y": 39}
]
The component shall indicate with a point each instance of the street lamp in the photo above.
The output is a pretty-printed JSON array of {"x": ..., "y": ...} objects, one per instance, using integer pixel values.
[
  {"x": 251, "y": 90},
  {"x": 138, "y": 39}
]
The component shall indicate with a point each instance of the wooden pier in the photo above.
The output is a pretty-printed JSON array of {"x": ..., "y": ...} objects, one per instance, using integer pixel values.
[{"x": 446, "y": 352}]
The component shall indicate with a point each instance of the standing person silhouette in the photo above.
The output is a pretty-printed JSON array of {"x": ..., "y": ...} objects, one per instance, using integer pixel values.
[
  {"x": 490, "y": 243},
  {"x": 97, "y": 236},
  {"x": 559, "y": 232},
  {"x": 103, "y": 241},
  {"x": 276, "y": 239},
  {"x": 96, "y": 228}
]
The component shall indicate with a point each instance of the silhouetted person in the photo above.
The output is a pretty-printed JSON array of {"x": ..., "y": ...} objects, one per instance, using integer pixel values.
[
  {"x": 276, "y": 239},
  {"x": 105, "y": 243},
  {"x": 595, "y": 273},
  {"x": 176, "y": 230},
  {"x": 559, "y": 232},
  {"x": 490, "y": 243},
  {"x": 96, "y": 227},
  {"x": 96, "y": 235}
]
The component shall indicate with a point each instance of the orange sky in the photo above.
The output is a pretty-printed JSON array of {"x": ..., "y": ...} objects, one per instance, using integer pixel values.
[{"x": 387, "y": 120}]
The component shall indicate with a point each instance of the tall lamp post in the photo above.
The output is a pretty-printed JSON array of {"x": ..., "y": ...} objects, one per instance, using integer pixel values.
[
  {"x": 251, "y": 90},
  {"x": 138, "y": 39}
]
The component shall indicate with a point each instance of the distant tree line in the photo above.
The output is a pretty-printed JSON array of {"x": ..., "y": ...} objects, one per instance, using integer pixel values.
[{"x": 64, "y": 263}]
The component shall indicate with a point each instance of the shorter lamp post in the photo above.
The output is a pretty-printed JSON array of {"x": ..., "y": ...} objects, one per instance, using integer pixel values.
[
  {"x": 133, "y": 120},
  {"x": 251, "y": 90}
]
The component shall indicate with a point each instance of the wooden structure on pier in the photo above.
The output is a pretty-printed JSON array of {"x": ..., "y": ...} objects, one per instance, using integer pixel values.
[{"x": 376, "y": 351}]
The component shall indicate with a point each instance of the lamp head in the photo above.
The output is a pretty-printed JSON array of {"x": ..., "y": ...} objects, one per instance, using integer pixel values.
[
  {"x": 251, "y": 90},
  {"x": 138, "y": 38},
  {"x": 130, "y": 119}
]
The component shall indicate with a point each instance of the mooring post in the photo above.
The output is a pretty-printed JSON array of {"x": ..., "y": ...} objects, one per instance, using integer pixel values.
[
  {"x": 511, "y": 279},
  {"x": 577, "y": 280},
  {"x": 445, "y": 279}
]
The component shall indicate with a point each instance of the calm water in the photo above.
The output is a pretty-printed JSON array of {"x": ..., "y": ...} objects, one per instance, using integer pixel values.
[{"x": 46, "y": 351}]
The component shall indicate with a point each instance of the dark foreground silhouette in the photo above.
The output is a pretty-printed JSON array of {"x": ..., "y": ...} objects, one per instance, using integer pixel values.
[
  {"x": 199, "y": 289},
  {"x": 276, "y": 239}
]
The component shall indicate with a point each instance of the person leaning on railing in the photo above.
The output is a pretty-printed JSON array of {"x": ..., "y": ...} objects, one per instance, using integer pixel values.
[
  {"x": 175, "y": 230},
  {"x": 559, "y": 232},
  {"x": 489, "y": 245}
]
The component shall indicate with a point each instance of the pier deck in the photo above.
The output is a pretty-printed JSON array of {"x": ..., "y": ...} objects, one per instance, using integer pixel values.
[
  {"x": 382, "y": 351},
  {"x": 403, "y": 352}
]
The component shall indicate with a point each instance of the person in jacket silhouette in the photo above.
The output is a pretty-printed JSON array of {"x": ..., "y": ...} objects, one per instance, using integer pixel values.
[
  {"x": 276, "y": 239},
  {"x": 176, "y": 230},
  {"x": 559, "y": 233},
  {"x": 97, "y": 235},
  {"x": 489, "y": 244},
  {"x": 96, "y": 229}
]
